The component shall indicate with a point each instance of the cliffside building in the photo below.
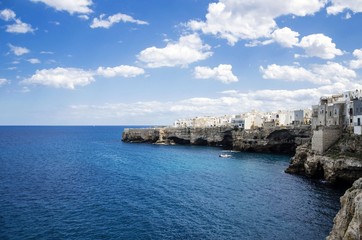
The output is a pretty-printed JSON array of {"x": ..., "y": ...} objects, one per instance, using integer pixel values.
[
  {"x": 357, "y": 116},
  {"x": 331, "y": 111},
  {"x": 332, "y": 115}
]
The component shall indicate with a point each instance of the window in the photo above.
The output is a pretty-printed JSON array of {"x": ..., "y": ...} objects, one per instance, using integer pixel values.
[
  {"x": 330, "y": 113},
  {"x": 335, "y": 111}
]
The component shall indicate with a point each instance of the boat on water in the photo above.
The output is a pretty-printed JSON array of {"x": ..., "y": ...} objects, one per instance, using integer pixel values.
[{"x": 224, "y": 155}]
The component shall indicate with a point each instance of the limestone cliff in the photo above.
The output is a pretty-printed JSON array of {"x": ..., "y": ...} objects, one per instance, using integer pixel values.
[
  {"x": 348, "y": 221},
  {"x": 273, "y": 140},
  {"x": 215, "y": 136},
  {"x": 342, "y": 163}
]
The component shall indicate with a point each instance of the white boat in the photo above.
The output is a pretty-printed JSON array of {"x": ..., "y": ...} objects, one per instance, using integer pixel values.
[{"x": 224, "y": 155}]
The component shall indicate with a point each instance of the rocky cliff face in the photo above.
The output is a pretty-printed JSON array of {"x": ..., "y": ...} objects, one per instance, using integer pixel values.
[
  {"x": 262, "y": 140},
  {"x": 340, "y": 164},
  {"x": 217, "y": 136},
  {"x": 271, "y": 140},
  {"x": 348, "y": 221}
]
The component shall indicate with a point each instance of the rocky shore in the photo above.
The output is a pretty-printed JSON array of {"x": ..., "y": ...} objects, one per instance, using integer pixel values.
[
  {"x": 348, "y": 221},
  {"x": 341, "y": 164}
]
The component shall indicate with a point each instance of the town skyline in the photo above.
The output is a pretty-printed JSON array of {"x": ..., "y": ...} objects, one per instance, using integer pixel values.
[{"x": 153, "y": 62}]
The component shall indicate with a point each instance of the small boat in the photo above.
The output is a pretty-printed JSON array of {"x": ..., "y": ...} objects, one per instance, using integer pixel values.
[{"x": 224, "y": 155}]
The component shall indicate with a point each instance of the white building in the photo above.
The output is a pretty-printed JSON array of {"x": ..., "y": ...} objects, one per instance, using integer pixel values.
[
  {"x": 357, "y": 116},
  {"x": 343, "y": 110}
]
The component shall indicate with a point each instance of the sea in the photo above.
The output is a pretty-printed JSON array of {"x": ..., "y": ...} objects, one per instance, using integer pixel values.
[{"x": 83, "y": 182}]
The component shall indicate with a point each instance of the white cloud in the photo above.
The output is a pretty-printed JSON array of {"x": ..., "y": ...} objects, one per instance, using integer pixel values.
[
  {"x": 319, "y": 45},
  {"x": 7, "y": 15},
  {"x": 338, "y": 6},
  {"x": 221, "y": 73},
  {"x": 285, "y": 37},
  {"x": 335, "y": 72},
  {"x": 232, "y": 102},
  {"x": 46, "y": 52},
  {"x": 318, "y": 74},
  {"x": 61, "y": 78},
  {"x": 18, "y": 51},
  {"x": 116, "y": 18},
  {"x": 33, "y": 60},
  {"x": 122, "y": 70},
  {"x": 71, "y": 6},
  {"x": 83, "y": 17},
  {"x": 289, "y": 73},
  {"x": 18, "y": 26},
  {"x": 235, "y": 20},
  {"x": 357, "y": 63},
  {"x": 72, "y": 77},
  {"x": 187, "y": 50},
  {"x": 3, "y": 81}
]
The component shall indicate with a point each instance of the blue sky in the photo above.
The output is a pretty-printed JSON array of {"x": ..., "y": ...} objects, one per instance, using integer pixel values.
[{"x": 93, "y": 62}]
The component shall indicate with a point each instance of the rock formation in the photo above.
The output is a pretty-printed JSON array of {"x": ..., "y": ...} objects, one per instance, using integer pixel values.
[
  {"x": 215, "y": 136},
  {"x": 342, "y": 163},
  {"x": 348, "y": 221},
  {"x": 271, "y": 140},
  {"x": 275, "y": 140}
]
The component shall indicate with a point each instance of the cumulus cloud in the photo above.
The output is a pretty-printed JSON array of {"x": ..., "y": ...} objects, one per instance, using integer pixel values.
[
  {"x": 318, "y": 74},
  {"x": 116, "y": 18},
  {"x": 222, "y": 73},
  {"x": 187, "y": 50},
  {"x": 289, "y": 73},
  {"x": 18, "y": 26},
  {"x": 335, "y": 72},
  {"x": 3, "y": 81},
  {"x": 33, "y": 60},
  {"x": 61, "y": 78},
  {"x": 122, "y": 70},
  {"x": 338, "y": 6},
  {"x": 235, "y": 20},
  {"x": 70, "y": 6},
  {"x": 319, "y": 45},
  {"x": 357, "y": 63},
  {"x": 285, "y": 37},
  {"x": 70, "y": 78},
  {"x": 18, "y": 51},
  {"x": 7, "y": 15}
]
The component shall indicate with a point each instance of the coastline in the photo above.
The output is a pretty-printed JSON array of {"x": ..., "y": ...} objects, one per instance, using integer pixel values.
[{"x": 342, "y": 163}]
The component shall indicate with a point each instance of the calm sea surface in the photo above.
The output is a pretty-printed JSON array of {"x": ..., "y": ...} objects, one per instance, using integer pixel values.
[{"x": 84, "y": 183}]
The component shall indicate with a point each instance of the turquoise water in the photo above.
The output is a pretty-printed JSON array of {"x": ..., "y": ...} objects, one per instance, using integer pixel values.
[{"x": 84, "y": 183}]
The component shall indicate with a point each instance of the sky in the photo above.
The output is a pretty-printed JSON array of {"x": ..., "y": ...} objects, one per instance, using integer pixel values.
[{"x": 151, "y": 62}]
